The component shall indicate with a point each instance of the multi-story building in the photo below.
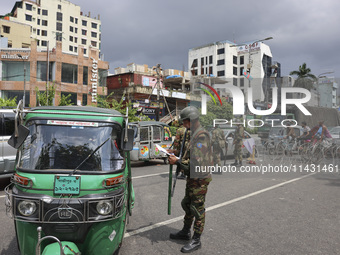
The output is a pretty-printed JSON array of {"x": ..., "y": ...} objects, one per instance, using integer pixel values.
[
  {"x": 241, "y": 65},
  {"x": 327, "y": 88},
  {"x": 140, "y": 84},
  {"x": 25, "y": 70},
  {"x": 14, "y": 34},
  {"x": 57, "y": 20}
]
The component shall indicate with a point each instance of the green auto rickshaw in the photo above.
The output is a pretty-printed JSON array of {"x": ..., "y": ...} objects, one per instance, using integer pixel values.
[{"x": 72, "y": 191}]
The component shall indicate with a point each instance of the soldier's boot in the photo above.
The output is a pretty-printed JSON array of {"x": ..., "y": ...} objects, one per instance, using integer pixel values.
[
  {"x": 240, "y": 163},
  {"x": 183, "y": 234},
  {"x": 193, "y": 245},
  {"x": 235, "y": 163}
]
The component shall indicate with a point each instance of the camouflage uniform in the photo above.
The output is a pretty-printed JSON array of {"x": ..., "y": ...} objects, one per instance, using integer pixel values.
[
  {"x": 238, "y": 142},
  {"x": 196, "y": 189},
  {"x": 218, "y": 143},
  {"x": 179, "y": 138}
]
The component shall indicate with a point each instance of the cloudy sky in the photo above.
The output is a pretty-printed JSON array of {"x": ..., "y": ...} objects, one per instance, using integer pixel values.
[{"x": 155, "y": 31}]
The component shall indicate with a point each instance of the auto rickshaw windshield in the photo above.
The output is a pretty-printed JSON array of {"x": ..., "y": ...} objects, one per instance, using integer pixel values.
[{"x": 66, "y": 146}]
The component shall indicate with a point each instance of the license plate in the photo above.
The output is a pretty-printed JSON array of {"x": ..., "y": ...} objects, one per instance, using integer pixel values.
[{"x": 66, "y": 185}]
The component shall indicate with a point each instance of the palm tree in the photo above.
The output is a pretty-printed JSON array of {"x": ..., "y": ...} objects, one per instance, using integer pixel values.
[{"x": 305, "y": 78}]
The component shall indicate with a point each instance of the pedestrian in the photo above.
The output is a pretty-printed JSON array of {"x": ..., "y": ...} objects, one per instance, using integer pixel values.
[
  {"x": 218, "y": 142},
  {"x": 238, "y": 143},
  {"x": 197, "y": 152}
]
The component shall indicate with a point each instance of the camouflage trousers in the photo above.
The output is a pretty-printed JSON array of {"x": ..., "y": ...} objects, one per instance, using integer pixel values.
[
  {"x": 217, "y": 156},
  {"x": 193, "y": 203},
  {"x": 238, "y": 150}
]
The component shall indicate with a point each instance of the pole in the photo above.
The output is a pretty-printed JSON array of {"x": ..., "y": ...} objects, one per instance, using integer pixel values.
[
  {"x": 169, "y": 189},
  {"x": 48, "y": 70},
  {"x": 24, "y": 82}
]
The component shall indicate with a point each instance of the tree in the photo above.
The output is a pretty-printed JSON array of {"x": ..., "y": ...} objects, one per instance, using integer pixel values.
[
  {"x": 304, "y": 77},
  {"x": 8, "y": 102},
  {"x": 224, "y": 111},
  {"x": 111, "y": 103},
  {"x": 47, "y": 100}
]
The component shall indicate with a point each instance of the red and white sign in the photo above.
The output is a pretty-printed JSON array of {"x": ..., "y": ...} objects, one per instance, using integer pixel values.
[{"x": 72, "y": 123}]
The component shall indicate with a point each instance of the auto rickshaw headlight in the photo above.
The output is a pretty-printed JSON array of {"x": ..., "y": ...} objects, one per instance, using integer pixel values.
[
  {"x": 27, "y": 208},
  {"x": 104, "y": 207}
]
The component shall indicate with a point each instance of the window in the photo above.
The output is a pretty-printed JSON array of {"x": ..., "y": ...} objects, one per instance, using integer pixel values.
[
  {"x": 210, "y": 59},
  {"x": 194, "y": 63},
  {"x": 59, "y": 36},
  {"x": 85, "y": 51},
  {"x": 194, "y": 72},
  {"x": 6, "y": 29},
  {"x": 241, "y": 82},
  {"x": 220, "y": 62},
  {"x": 59, "y": 16},
  {"x": 71, "y": 48},
  {"x": 44, "y": 22},
  {"x": 43, "y": 43},
  {"x": 76, "y": 20},
  {"x": 71, "y": 38},
  {"x": 28, "y": 17},
  {"x": 94, "y": 25},
  {"x": 44, "y": 12},
  {"x": 69, "y": 73},
  {"x": 71, "y": 19},
  {"x": 242, "y": 60},
  {"x": 241, "y": 70},
  {"x": 76, "y": 39},
  {"x": 102, "y": 74},
  {"x": 71, "y": 29},
  {"x": 59, "y": 7},
  {"x": 76, "y": 30},
  {"x": 28, "y": 7},
  {"x": 34, "y": 30},
  {"x": 94, "y": 34},
  {"x": 202, "y": 61},
  {"x": 85, "y": 75},
  {"x": 75, "y": 49},
  {"x": 38, "y": 32},
  {"x": 38, "y": 43},
  {"x": 220, "y": 73},
  {"x": 202, "y": 70},
  {"x": 83, "y": 32},
  {"x": 83, "y": 41},
  {"x": 84, "y": 22},
  {"x": 38, "y": 22},
  {"x": 94, "y": 44},
  {"x": 210, "y": 70},
  {"x": 234, "y": 70},
  {"x": 220, "y": 51},
  {"x": 235, "y": 81},
  {"x": 43, "y": 32},
  {"x": 39, "y": 11},
  {"x": 42, "y": 71},
  {"x": 84, "y": 99},
  {"x": 14, "y": 70},
  {"x": 59, "y": 26},
  {"x": 235, "y": 60}
]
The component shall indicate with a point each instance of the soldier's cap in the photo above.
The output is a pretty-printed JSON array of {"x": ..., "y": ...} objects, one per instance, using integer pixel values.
[{"x": 190, "y": 113}]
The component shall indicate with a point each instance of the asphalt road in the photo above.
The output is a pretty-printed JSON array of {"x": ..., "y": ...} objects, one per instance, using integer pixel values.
[{"x": 247, "y": 213}]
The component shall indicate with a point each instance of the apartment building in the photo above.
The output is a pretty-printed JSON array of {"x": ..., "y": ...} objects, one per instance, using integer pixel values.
[
  {"x": 14, "y": 34},
  {"x": 58, "y": 20}
]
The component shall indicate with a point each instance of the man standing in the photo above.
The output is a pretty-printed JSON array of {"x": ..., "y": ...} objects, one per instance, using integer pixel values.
[
  {"x": 197, "y": 152},
  {"x": 238, "y": 143},
  {"x": 218, "y": 142}
]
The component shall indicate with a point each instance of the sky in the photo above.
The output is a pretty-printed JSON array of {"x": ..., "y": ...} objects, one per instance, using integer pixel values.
[{"x": 153, "y": 31}]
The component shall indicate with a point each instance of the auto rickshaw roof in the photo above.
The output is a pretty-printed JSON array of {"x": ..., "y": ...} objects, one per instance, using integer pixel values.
[
  {"x": 150, "y": 123},
  {"x": 75, "y": 112}
]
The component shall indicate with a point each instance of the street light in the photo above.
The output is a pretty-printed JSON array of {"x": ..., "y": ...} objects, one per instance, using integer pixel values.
[{"x": 20, "y": 56}]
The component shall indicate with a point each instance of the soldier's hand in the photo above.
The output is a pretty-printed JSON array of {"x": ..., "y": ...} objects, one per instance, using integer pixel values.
[
  {"x": 170, "y": 150},
  {"x": 172, "y": 159}
]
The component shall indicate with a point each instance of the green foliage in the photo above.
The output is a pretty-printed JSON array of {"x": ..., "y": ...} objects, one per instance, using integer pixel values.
[
  {"x": 251, "y": 130},
  {"x": 111, "y": 103},
  {"x": 8, "y": 102},
  {"x": 224, "y": 111},
  {"x": 42, "y": 99},
  {"x": 305, "y": 79}
]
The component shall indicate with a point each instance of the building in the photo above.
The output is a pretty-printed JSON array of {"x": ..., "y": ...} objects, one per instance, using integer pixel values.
[
  {"x": 56, "y": 20},
  {"x": 84, "y": 77},
  {"x": 14, "y": 34},
  {"x": 327, "y": 89},
  {"x": 140, "y": 84},
  {"x": 244, "y": 65}
]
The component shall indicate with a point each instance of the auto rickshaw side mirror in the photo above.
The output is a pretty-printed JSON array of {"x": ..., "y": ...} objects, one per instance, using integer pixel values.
[
  {"x": 17, "y": 140},
  {"x": 127, "y": 145}
]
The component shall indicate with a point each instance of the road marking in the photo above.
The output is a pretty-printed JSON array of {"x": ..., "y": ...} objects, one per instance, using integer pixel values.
[
  {"x": 167, "y": 222},
  {"x": 149, "y": 175},
  {"x": 2, "y": 196}
]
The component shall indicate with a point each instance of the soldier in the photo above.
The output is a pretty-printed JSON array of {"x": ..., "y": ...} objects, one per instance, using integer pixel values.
[
  {"x": 238, "y": 143},
  {"x": 218, "y": 142},
  {"x": 177, "y": 143},
  {"x": 197, "y": 152}
]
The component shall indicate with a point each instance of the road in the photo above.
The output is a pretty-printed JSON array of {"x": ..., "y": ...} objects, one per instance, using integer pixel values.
[{"x": 247, "y": 213}]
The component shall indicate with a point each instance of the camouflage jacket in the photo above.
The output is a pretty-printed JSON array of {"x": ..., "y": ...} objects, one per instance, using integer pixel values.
[
  {"x": 218, "y": 138},
  {"x": 197, "y": 152},
  {"x": 239, "y": 133},
  {"x": 179, "y": 138}
]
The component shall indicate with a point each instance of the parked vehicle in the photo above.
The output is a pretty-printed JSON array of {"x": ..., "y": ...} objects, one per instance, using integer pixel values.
[
  {"x": 229, "y": 137},
  {"x": 263, "y": 131},
  {"x": 7, "y": 153},
  {"x": 72, "y": 182},
  {"x": 147, "y": 134},
  {"x": 335, "y": 132}
]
